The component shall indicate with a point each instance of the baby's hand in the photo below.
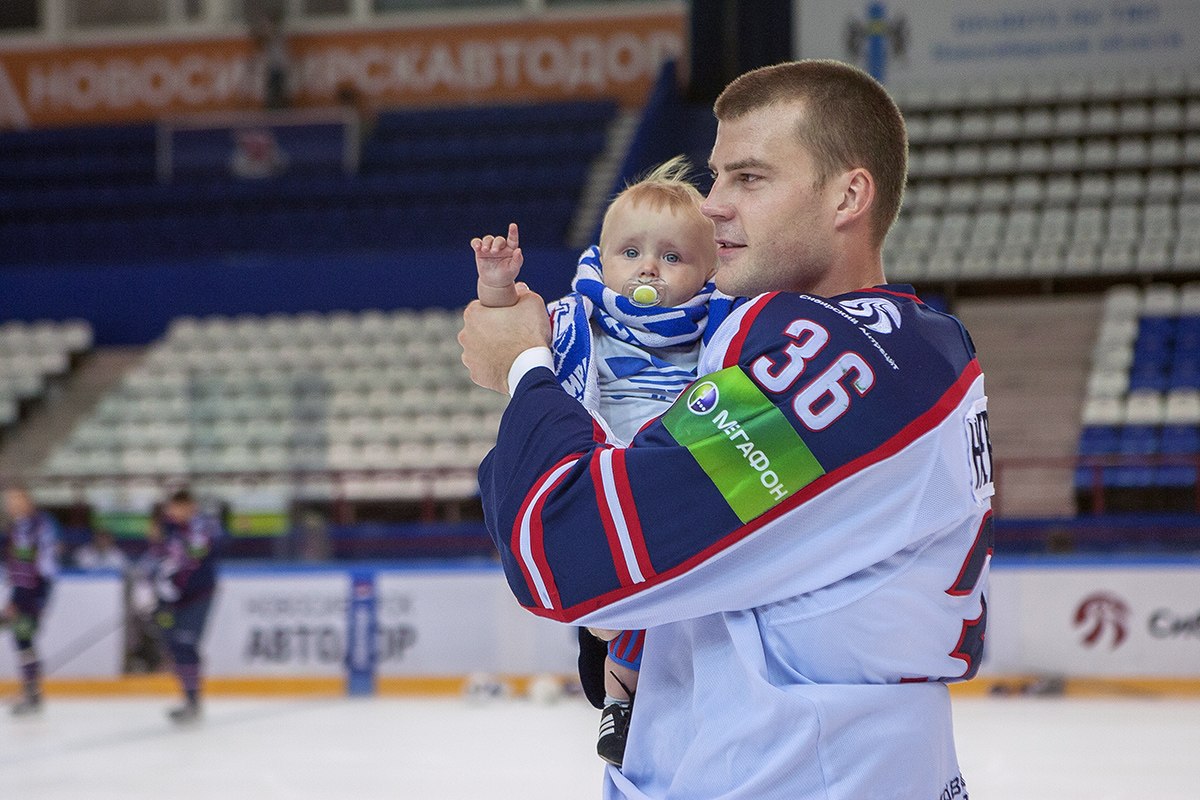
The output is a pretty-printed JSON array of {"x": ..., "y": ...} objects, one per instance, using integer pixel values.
[{"x": 498, "y": 260}]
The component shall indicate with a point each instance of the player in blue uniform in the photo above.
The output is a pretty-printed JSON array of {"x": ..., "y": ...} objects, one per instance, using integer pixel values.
[
  {"x": 626, "y": 341},
  {"x": 32, "y": 564},
  {"x": 182, "y": 568},
  {"x": 810, "y": 522}
]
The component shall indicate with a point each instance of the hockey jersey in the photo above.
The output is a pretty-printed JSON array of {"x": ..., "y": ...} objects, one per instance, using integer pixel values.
[
  {"x": 184, "y": 562},
  {"x": 806, "y": 532},
  {"x": 32, "y": 559}
]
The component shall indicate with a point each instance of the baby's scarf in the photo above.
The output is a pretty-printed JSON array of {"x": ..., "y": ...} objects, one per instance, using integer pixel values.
[{"x": 619, "y": 317}]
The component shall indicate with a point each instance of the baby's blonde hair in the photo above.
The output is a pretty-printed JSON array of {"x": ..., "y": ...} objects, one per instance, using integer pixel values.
[{"x": 666, "y": 186}]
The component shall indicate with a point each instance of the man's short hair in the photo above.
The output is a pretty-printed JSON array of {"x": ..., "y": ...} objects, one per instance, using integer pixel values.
[
  {"x": 667, "y": 185},
  {"x": 182, "y": 495},
  {"x": 849, "y": 121}
]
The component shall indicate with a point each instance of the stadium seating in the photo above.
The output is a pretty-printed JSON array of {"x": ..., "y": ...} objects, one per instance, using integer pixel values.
[
  {"x": 1051, "y": 179},
  {"x": 439, "y": 176},
  {"x": 1141, "y": 423},
  {"x": 31, "y": 355},
  {"x": 377, "y": 402}
]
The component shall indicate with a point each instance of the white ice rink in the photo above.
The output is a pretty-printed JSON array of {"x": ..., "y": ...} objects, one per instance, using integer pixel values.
[{"x": 445, "y": 749}]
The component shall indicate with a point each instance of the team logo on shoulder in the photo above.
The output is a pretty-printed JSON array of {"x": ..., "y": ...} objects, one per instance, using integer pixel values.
[
  {"x": 879, "y": 314},
  {"x": 703, "y": 397}
]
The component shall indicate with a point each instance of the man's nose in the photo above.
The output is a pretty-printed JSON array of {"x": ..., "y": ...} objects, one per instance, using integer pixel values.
[{"x": 714, "y": 207}]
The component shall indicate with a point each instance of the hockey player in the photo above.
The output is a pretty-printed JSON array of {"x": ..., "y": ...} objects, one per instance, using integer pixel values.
[
  {"x": 32, "y": 563},
  {"x": 807, "y": 531},
  {"x": 626, "y": 341},
  {"x": 182, "y": 567}
]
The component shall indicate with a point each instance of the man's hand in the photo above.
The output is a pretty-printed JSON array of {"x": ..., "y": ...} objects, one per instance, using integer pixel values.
[{"x": 492, "y": 338}]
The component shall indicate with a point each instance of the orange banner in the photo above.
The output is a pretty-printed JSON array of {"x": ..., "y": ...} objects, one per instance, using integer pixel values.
[{"x": 493, "y": 63}]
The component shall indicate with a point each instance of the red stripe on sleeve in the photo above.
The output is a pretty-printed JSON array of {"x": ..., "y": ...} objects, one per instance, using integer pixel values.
[
  {"x": 610, "y": 527},
  {"x": 733, "y": 355},
  {"x": 632, "y": 523}
]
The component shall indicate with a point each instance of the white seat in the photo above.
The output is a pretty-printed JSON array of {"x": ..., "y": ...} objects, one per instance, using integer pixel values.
[
  {"x": 1095, "y": 187},
  {"x": 1160, "y": 300},
  {"x": 1131, "y": 152},
  {"x": 1061, "y": 189},
  {"x": 1021, "y": 227},
  {"x": 1088, "y": 225},
  {"x": 953, "y": 230},
  {"x": 1012, "y": 262},
  {"x": 994, "y": 192},
  {"x": 1055, "y": 225},
  {"x": 1046, "y": 259},
  {"x": 988, "y": 228},
  {"x": 975, "y": 124},
  {"x": 1162, "y": 185},
  {"x": 1104, "y": 411},
  {"x": 1134, "y": 116},
  {"x": 1070, "y": 121},
  {"x": 978, "y": 262},
  {"x": 1153, "y": 256},
  {"x": 1164, "y": 149},
  {"x": 1117, "y": 258},
  {"x": 1186, "y": 256},
  {"x": 1082, "y": 258},
  {"x": 1189, "y": 298},
  {"x": 1033, "y": 156},
  {"x": 1129, "y": 186},
  {"x": 1124, "y": 222},
  {"x": 1144, "y": 407},
  {"x": 1038, "y": 122},
  {"x": 1108, "y": 383},
  {"x": 1006, "y": 124},
  {"x": 1000, "y": 158},
  {"x": 1099, "y": 154},
  {"x": 1182, "y": 407},
  {"x": 1116, "y": 357},
  {"x": 967, "y": 159},
  {"x": 1166, "y": 114},
  {"x": 943, "y": 126},
  {"x": 1101, "y": 118},
  {"x": 937, "y": 161}
]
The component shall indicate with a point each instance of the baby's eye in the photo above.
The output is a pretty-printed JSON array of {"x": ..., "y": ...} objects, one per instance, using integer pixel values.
[
  {"x": 630, "y": 252},
  {"x": 671, "y": 258}
]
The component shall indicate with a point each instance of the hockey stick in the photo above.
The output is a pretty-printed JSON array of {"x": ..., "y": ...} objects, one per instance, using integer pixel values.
[{"x": 82, "y": 643}]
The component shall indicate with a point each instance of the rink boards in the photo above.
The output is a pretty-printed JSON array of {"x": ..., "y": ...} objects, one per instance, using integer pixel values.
[{"x": 1077, "y": 618}]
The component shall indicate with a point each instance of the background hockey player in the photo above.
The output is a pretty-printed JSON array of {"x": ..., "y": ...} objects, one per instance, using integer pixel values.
[
  {"x": 626, "y": 341},
  {"x": 32, "y": 563},
  {"x": 807, "y": 531},
  {"x": 182, "y": 566}
]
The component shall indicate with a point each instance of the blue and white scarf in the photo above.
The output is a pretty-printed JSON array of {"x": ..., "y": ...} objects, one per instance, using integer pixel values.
[{"x": 619, "y": 317}]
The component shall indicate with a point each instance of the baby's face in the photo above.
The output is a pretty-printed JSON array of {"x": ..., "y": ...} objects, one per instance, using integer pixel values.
[{"x": 674, "y": 251}]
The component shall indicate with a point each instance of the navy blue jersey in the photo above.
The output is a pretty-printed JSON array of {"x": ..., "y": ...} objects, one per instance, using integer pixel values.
[{"x": 806, "y": 532}]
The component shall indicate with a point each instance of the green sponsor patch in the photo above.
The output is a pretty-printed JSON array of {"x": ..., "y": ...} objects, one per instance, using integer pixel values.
[{"x": 742, "y": 441}]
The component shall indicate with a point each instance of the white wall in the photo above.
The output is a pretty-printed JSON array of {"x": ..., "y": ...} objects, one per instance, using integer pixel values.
[
  {"x": 957, "y": 41},
  {"x": 292, "y": 622}
]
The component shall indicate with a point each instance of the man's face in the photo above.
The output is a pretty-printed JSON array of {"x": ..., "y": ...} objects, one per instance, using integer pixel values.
[
  {"x": 774, "y": 224},
  {"x": 17, "y": 504},
  {"x": 179, "y": 513}
]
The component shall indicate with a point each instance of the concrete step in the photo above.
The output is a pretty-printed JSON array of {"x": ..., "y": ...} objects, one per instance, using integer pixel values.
[{"x": 51, "y": 422}]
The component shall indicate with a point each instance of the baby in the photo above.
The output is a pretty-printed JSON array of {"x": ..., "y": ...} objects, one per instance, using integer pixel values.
[{"x": 626, "y": 342}]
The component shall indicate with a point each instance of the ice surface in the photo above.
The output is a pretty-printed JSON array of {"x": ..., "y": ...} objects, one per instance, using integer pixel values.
[{"x": 1027, "y": 748}]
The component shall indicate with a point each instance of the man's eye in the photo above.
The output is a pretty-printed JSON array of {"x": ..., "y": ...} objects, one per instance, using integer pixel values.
[
  {"x": 630, "y": 252},
  {"x": 747, "y": 178},
  {"x": 671, "y": 258}
]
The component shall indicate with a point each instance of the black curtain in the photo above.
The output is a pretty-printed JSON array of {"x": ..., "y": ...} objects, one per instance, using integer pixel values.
[{"x": 730, "y": 37}]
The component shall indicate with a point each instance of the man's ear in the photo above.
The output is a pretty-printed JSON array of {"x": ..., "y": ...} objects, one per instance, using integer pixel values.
[{"x": 857, "y": 196}]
